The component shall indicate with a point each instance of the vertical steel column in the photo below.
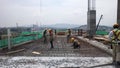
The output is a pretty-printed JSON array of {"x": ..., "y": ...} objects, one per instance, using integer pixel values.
[
  {"x": 118, "y": 12},
  {"x": 88, "y": 5},
  {"x": 91, "y": 18},
  {"x": 9, "y": 34}
]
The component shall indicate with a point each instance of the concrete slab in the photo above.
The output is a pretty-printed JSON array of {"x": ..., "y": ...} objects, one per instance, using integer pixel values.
[
  {"x": 97, "y": 44},
  {"x": 56, "y": 62}
]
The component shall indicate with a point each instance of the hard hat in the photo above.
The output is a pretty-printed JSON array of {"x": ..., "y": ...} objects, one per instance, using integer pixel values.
[
  {"x": 72, "y": 39},
  {"x": 50, "y": 30},
  {"x": 115, "y": 25}
]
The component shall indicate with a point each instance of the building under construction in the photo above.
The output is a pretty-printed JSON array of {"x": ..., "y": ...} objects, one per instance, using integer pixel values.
[{"x": 28, "y": 49}]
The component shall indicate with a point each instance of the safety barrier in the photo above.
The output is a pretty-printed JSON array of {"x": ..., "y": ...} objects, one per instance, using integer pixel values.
[{"x": 24, "y": 37}]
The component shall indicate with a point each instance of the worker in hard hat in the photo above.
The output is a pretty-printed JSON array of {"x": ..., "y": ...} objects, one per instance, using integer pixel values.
[
  {"x": 45, "y": 35},
  {"x": 68, "y": 35},
  {"x": 51, "y": 38},
  {"x": 76, "y": 43},
  {"x": 114, "y": 38}
]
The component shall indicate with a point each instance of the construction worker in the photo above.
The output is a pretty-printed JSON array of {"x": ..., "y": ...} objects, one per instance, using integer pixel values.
[
  {"x": 76, "y": 44},
  {"x": 55, "y": 32},
  {"x": 114, "y": 37},
  {"x": 51, "y": 38},
  {"x": 45, "y": 35},
  {"x": 68, "y": 35}
]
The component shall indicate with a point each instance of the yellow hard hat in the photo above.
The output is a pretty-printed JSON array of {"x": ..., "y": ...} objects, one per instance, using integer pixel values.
[{"x": 72, "y": 39}]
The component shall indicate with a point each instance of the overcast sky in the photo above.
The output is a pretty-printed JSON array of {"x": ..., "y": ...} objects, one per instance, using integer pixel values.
[{"x": 45, "y": 12}]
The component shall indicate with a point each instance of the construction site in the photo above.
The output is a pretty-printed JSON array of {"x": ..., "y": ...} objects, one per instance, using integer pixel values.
[{"x": 27, "y": 49}]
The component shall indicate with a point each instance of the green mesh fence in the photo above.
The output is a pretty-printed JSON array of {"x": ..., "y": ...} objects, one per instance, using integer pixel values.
[
  {"x": 3, "y": 43},
  {"x": 24, "y": 37},
  {"x": 100, "y": 32}
]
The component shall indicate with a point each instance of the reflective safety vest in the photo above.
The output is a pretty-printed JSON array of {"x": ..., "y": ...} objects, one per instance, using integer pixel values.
[
  {"x": 69, "y": 32},
  {"x": 116, "y": 33}
]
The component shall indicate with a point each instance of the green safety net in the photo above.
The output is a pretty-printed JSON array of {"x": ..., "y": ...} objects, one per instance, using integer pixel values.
[
  {"x": 24, "y": 37},
  {"x": 100, "y": 32}
]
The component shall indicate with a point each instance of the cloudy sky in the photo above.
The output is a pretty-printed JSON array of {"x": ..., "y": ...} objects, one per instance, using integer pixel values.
[{"x": 46, "y": 12}]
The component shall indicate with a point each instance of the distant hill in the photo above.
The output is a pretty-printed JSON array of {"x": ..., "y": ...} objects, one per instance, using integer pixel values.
[
  {"x": 73, "y": 26},
  {"x": 101, "y": 27},
  {"x": 61, "y": 26}
]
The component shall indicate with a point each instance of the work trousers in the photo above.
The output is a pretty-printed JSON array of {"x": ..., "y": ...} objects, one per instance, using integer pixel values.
[
  {"x": 68, "y": 38},
  {"x": 116, "y": 52},
  {"x": 51, "y": 41},
  {"x": 45, "y": 39}
]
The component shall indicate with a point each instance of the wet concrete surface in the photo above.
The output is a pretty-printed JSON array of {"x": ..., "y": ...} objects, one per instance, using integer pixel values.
[{"x": 39, "y": 55}]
